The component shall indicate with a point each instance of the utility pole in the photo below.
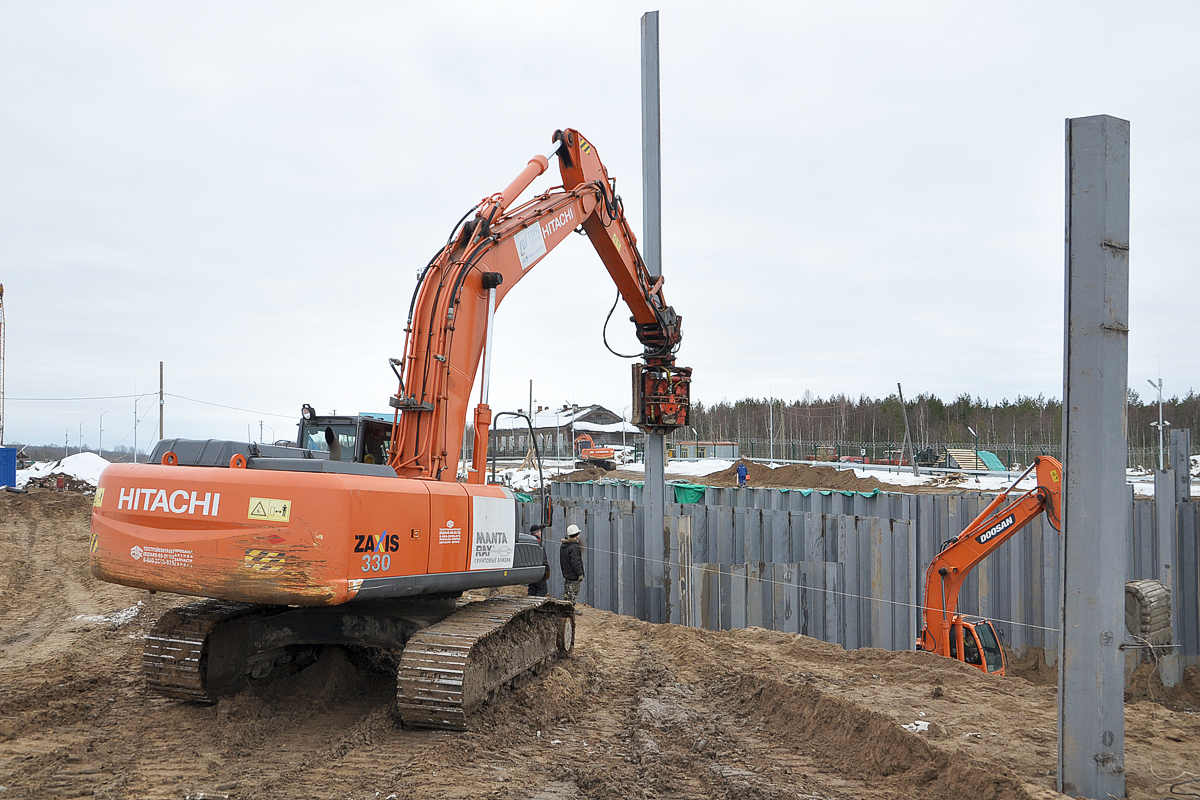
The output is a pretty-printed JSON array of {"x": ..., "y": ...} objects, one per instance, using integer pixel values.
[
  {"x": 1162, "y": 463},
  {"x": 976, "y": 435},
  {"x": 771, "y": 425},
  {"x": 908, "y": 442},
  {"x": 102, "y": 413},
  {"x": 160, "y": 401}
]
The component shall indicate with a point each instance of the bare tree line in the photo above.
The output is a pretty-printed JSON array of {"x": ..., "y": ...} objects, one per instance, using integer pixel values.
[{"x": 1015, "y": 430}]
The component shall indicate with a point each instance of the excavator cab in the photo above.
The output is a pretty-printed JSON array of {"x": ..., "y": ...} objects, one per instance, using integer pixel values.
[
  {"x": 980, "y": 645},
  {"x": 364, "y": 438}
]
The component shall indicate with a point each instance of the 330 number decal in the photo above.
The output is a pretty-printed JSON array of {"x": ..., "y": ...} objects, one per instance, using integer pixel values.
[{"x": 375, "y": 562}]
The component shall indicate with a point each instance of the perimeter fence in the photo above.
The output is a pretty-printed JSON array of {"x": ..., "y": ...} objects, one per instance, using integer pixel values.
[{"x": 844, "y": 567}]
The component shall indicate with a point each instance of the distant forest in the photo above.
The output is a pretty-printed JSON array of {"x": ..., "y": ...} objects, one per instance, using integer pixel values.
[{"x": 1014, "y": 430}]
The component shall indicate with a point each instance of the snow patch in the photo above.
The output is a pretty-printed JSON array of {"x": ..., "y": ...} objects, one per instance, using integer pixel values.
[
  {"x": 116, "y": 619},
  {"x": 82, "y": 466}
]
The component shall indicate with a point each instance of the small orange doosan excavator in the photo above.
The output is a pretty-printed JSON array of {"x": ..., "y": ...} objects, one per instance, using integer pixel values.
[
  {"x": 973, "y": 639},
  {"x": 326, "y": 544}
]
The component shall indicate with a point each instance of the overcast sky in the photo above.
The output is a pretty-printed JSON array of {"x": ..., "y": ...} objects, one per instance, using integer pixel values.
[{"x": 854, "y": 194}]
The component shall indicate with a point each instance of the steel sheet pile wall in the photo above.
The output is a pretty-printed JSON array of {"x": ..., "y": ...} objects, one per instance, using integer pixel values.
[{"x": 845, "y": 568}]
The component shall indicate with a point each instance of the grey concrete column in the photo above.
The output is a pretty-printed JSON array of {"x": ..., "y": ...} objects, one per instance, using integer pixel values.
[
  {"x": 1179, "y": 460},
  {"x": 1091, "y": 712},
  {"x": 1180, "y": 463},
  {"x": 651, "y": 148},
  {"x": 655, "y": 509},
  {"x": 1167, "y": 539}
]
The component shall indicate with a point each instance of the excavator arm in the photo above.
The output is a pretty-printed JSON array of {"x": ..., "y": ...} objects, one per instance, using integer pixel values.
[
  {"x": 451, "y": 314},
  {"x": 995, "y": 525}
]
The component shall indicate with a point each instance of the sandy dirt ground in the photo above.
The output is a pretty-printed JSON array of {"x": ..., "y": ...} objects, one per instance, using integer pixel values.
[{"x": 638, "y": 711}]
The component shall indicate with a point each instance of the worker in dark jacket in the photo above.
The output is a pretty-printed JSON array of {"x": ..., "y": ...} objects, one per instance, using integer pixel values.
[
  {"x": 540, "y": 588},
  {"x": 570, "y": 560}
]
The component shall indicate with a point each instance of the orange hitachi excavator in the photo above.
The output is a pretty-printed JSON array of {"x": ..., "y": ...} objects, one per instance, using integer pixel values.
[
  {"x": 303, "y": 547},
  {"x": 588, "y": 455},
  {"x": 973, "y": 639}
]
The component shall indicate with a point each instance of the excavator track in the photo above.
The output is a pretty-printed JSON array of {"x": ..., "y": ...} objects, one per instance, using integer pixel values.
[
  {"x": 449, "y": 669},
  {"x": 173, "y": 658}
]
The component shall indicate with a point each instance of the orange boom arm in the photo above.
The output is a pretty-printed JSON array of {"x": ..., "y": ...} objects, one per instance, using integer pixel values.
[
  {"x": 993, "y": 527},
  {"x": 450, "y": 317}
]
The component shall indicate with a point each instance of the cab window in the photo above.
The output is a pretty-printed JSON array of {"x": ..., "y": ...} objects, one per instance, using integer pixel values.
[
  {"x": 313, "y": 438},
  {"x": 971, "y": 648},
  {"x": 376, "y": 441},
  {"x": 991, "y": 647}
]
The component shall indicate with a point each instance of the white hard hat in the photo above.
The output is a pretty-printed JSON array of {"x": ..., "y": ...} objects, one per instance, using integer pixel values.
[{"x": 572, "y": 530}]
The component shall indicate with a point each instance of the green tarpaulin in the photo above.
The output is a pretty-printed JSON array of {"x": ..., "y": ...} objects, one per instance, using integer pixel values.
[
  {"x": 827, "y": 492},
  {"x": 688, "y": 492},
  {"x": 991, "y": 461},
  {"x": 694, "y": 492}
]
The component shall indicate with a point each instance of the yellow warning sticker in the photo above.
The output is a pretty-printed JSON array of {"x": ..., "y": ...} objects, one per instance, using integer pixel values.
[
  {"x": 99, "y": 501},
  {"x": 584, "y": 147},
  {"x": 616, "y": 242},
  {"x": 268, "y": 509},
  {"x": 95, "y": 540},
  {"x": 264, "y": 560}
]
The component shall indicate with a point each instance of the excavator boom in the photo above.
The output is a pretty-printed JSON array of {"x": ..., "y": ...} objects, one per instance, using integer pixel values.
[
  {"x": 466, "y": 281},
  {"x": 995, "y": 525}
]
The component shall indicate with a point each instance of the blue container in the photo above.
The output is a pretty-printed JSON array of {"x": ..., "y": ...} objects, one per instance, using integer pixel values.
[{"x": 8, "y": 466}]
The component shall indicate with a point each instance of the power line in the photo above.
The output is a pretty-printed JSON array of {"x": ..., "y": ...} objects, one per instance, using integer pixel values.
[
  {"x": 139, "y": 422},
  {"x": 74, "y": 399},
  {"x": 231, "y": 408},
  {"x": 149, "y": 394}
]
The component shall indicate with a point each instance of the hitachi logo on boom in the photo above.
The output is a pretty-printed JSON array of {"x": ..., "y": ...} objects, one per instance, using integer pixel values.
[
  {"x": 556, "y": 223},
  {"x": 176, "y": 502}
]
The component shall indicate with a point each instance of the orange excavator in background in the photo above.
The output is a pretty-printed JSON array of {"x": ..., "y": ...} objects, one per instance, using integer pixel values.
[
  {"x": 588, "y": 455},
  {"x": 973, "y": 639},
  {"x": 324, "y": 544}
]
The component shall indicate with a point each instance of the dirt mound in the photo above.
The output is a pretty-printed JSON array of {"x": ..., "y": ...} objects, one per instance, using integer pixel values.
[
  {"x": 1183, "y": 696},
  {"x": 1032, "y": 667},
  {"x": 795, "y": 476},
  {"x": 583, "y": 475},
  {"x": 867, "y": 744}
]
